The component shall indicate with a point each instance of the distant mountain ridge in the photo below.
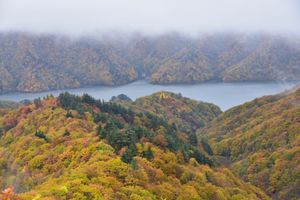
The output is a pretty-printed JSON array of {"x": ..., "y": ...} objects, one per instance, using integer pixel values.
[{"x": 32, "y": 63}]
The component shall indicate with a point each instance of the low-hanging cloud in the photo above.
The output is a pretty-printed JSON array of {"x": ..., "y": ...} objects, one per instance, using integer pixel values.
[{"x": 150, "y": 16}]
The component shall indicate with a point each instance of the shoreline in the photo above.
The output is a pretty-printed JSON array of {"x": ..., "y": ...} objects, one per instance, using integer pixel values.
[
  {"x": 154, "y": 84},
  {"x": 223, "y": 94}
]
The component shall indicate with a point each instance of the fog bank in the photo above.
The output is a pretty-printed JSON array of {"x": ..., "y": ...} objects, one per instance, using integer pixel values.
[{"x": 77, "y": 17}]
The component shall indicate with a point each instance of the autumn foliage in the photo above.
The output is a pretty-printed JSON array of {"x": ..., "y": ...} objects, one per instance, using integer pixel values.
[
  {"x": 261, "y": 140},
  {"x": 111, "y": 152},
  {"x": 31, "y": 63}
]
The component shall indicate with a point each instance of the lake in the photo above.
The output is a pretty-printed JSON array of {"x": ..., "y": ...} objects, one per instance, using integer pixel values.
[{"x": 225, "y": 95}]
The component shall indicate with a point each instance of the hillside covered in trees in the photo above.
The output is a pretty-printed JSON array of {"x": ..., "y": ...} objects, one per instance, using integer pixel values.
[
  {"x": 186, "y": 114},
  {"x": 74, "y": 147},
  {"x": 9, "y": 104},
  {"x": 260, "y": 141},
  {"x": 31, "y": 63}
]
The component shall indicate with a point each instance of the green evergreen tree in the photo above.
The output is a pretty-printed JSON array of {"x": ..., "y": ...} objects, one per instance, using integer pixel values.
[
  {"x": 129, "y": 137},
  {"x": 42, "y": 135},
  {"x": 67, "y": 133},
  {"x": 88, "y": 99},
  {"x": 129, "y": 154},
  {"x": 148, "y": 154},
  {"x": 134, "y": 164},
  {"x": 193, "y": 139},
  {"x": 37, "y": 102},
  {"x": 69, "y": 115}
]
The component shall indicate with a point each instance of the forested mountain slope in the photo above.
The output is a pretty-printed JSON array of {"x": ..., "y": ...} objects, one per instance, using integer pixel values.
[
  {"x": 80, "y": 148},
  {"x": 186, "y": 114},
  {"x": 9, "y": 104},
  {"x": 31, "y": 63},
  {"x": 35, "y": 63},
  {"x": 262, "y": 140}
]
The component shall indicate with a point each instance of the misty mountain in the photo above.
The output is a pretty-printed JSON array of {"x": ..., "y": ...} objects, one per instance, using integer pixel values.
[{"x": 31, "y": 63}]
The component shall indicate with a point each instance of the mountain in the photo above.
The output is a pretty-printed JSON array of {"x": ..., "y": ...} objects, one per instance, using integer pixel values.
[
  {"x": 260, "y": 142},
  {"x": 266, "y": 63},
  {"x": 31, "y": 63},
  {"x": 187, "y": 66},
  {"x": 9, "y": 104},
  {"x": 74, "y": 147},
  {"x": 185, "y": 114}
]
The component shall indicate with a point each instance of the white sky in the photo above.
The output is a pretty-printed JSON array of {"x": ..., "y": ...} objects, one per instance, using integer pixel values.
[{"x": 150, "y": 16}]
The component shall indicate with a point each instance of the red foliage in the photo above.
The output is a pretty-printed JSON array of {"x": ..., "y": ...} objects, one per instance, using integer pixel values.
[{"x": 7, "y": 194}]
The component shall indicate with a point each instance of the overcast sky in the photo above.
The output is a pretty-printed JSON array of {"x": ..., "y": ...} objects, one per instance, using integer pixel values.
[{"x": 150, "y": 16}]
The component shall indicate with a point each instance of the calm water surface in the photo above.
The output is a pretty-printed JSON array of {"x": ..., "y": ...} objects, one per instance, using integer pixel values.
[{"x": 225, "y": 95}]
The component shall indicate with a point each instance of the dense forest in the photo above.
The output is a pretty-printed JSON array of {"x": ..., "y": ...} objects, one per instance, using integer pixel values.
[
  {"x": 73, "y": 147},
  {"x": 260, "y": 142},
  {"x": 9, "y": 104},
  {"x": 186, "y": 114},
  {"x": 31, "y": 63}
]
